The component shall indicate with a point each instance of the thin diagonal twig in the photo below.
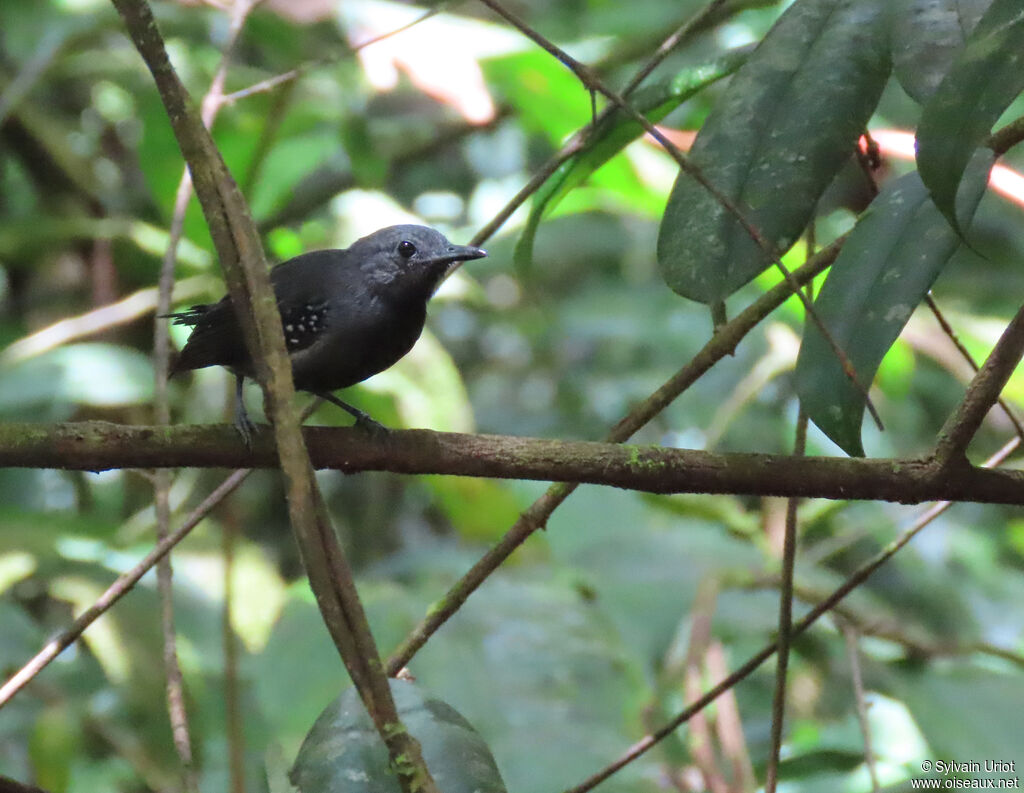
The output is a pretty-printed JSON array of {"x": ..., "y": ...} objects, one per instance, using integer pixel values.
[
  {"x": 117, "y": 590},
  {"x": 982, "y": 393},
  {"x": 951, "y": 334},
  {"x": 272, "y": 82},
  {"x": 579, "y": 141},
  {"x": 589, "y": 79}
]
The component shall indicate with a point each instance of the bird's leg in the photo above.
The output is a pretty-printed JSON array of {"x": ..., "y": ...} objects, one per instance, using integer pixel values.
[
  {"x": 243, "y": 424},
  {"x": 362, "y": 419}
]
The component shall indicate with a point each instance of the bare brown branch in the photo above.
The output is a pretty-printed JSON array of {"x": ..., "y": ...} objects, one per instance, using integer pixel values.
[{"x": 97, "y": 445}]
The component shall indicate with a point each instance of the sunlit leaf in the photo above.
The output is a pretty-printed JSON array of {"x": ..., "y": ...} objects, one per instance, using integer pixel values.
[
  {"x": 547, "y": 96},
  {"x": 479, "y": 509},
  {"x": 14, "y": 566},
  {"x": 104, "y": 637},
  {"x": 614, "y": 134}
]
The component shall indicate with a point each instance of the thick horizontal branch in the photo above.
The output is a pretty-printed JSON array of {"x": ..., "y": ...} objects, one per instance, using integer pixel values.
[{"x": 98, "y": 446}]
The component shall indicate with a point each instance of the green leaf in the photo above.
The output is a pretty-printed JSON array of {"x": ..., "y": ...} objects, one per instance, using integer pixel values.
[
  {"x": 91, "y": 373},
  {"x": 788, "y": 122},
  {"x": 613, "y": 135},
  {"x": 987, "y": 703},
  {"x": 893, "y": 255},
  {"x": 986, "y": 77},
  {"x": 55, "y": 741},
  {"x": 343, "y": 753},
  {"x": 548, "y": 98},
  {"x": 927, "y": 36}
]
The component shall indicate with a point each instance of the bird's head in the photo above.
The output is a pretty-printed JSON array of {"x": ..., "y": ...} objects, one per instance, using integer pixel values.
[{"x": 414, "y": 259}]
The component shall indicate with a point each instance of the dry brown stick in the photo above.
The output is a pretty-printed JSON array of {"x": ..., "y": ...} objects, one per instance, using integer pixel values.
[
  {"x": 97, "y": 320},
  {"x": 729, "y": 725},
  {"x": 856, "y": 579}
]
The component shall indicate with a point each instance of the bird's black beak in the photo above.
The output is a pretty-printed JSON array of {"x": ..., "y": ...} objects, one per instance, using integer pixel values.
[
  {"x": 463, "y": 253},
  {"x": 456, "y": 255}
]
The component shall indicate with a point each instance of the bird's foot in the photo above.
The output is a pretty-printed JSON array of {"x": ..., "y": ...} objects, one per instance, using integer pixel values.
[
  {"x": 368, "y": 424},
  {"x": 245, "y": 428},
  {"x": 243, "y": 424},
  {"x": 363, "y": 420}
]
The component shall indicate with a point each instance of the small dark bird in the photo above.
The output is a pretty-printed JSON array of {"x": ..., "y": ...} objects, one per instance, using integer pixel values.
[{"x": 346, "y": 314}]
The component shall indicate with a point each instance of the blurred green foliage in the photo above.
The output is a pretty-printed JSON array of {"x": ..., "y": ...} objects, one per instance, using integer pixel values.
[{"x": 579, "y": 644}]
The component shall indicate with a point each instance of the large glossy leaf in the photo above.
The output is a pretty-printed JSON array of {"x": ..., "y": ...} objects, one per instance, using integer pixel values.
[
  {"x": 887, "y": 265},
  {"x": 615, "y": 133},
  {"x": 788, "y": 122},
  {"x": 344, "y": 754},
  {"x": 985, "y": 78},
  {"x": 927, "y": 36}
]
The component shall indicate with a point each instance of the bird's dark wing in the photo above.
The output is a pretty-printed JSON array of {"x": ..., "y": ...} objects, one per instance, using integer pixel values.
[
  {"x": 301, "y": 286},
  {"x": 304, "y": 324}
]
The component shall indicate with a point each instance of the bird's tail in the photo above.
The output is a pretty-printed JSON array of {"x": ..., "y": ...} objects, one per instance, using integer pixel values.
[{"x": 191, "y": 317}]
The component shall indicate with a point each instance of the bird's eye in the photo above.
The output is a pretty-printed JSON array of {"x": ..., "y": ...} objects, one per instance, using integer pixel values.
[{"x": 406, "y": 248}]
